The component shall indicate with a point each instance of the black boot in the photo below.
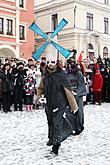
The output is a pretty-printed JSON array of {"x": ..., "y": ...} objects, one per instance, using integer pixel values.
[
  {"x": 78, "y": 132},
  {"x": 55, "y": 149},
  {"x": 49, "y": 143},
  {"x": 15, "y": 107}
]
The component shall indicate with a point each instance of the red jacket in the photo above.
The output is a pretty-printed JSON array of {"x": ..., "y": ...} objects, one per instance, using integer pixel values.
[{"x": 97, "y": 82}]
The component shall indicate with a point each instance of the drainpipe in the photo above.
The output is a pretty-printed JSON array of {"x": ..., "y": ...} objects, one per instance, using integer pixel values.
[{"x": 75, "y": 16}]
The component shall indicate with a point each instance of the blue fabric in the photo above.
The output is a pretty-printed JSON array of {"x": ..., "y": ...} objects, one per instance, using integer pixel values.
[
  {"x": 37, "y": 30},
  {"x": 66, "y": 53},
  {"x": 59, "y": 27},
  {"x": 38, "y": 53}
]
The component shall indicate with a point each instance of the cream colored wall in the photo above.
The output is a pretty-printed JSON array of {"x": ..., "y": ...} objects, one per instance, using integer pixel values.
[
  {"x": 80, "y": 17},
  {"x": 79, "y": 36},
  {"x": 99, "y": 21},
  {"x": 44, "y": 22},
  {"x": 69, "y": 17},
  {"x": 39, "y": 2},
  {"x": 101, "y": 1}
]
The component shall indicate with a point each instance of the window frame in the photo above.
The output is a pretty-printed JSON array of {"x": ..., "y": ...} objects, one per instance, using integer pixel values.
[
  {"x": 24, "y": 35},
  {"x": 2, "y": 24},
  {"x": 9, "y": 23},
  {"x": 22, "y": 5},
  {"x": 106, "y": 25},
  {"x": 54, "y": 21},
  {"x": 89, "y": 25},
  {"x": 105, "y": 52}
]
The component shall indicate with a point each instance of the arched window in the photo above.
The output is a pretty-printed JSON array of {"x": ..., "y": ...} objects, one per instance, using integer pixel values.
[
  {"x": 90, "y": 51},
  {"x": 105, "y": 52},
  {"x": 90, "y": 46}
]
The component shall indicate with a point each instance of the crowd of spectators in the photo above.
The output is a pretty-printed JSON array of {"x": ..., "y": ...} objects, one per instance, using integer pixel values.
[{"x": 20, "y": 79}]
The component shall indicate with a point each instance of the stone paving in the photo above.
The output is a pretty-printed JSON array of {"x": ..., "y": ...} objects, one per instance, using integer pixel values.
[{"x": 23, "y": 138}]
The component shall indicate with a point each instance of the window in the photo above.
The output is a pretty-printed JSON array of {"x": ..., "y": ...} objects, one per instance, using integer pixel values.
[
  {"x": 105, "y": 25},
  {"x": 105, "y": 52},
  {"x": 21, "y": 3},
  {"x": 91, "y": 46},
  {"x": 22, "y": 32},
  {"x": 9, "y": 30},
  {"x": 106, "y": 2},
  {"x": 89, "y": 21},
  {"x": 90, "y": 51},
  {"x": 1, "y": 25},
  {"x": 54, "y": 21}
]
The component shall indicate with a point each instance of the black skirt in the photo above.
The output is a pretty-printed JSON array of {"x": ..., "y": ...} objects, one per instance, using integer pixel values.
[{"x": 29, "y": 100}]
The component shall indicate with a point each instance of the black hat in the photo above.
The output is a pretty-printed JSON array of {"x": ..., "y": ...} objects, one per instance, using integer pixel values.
[{"x": 20, "y": 63}]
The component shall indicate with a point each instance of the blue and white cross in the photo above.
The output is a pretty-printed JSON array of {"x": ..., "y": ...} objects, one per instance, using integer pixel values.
[{"x": 50, "y": 40}]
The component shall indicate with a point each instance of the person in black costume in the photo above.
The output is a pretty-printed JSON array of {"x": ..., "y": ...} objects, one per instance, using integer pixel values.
[{"x": 60, "y": 102}]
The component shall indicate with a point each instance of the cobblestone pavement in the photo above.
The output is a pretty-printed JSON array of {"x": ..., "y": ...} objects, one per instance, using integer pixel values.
[{"x": 23, "y": 138}]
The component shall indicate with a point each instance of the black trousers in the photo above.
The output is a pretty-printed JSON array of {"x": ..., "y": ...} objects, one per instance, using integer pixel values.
[
  {"x": 18, "y": 98},
  {"x": 6, "y": 98}
]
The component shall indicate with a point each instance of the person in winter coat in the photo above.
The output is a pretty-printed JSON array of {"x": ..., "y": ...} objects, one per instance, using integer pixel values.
[
  {"x": 7, "y": 87},
  {"x": 37, "y": 79},
  {"x": 43, "y": 65},
  {"x": 19, "y": 75},
  {"x": 76, "y": 79},
  {"x": 29, "y": 87},
  {"x": 104, "y": 73},
  {"x": 57, "y": 89},
  {"x": 97, "y": 87},
  {"x": 88, "y": 88},
  {"x": 108, "y": 87}
]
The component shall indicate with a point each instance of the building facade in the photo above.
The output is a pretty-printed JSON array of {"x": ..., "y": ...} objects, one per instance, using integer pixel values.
[
  {"x": 16, "y": 39},
  {"x": 88, "y": 28}
]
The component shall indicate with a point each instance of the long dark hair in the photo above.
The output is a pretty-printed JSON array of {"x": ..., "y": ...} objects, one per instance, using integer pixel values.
[{"x": 4, "y": 67}]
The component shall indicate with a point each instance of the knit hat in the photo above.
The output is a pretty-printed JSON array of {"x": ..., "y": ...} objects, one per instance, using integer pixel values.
[
  {"x": 97, "y": 71},
  {"x": 20, "y": 63},
  {"x": 29, "y": 72}
]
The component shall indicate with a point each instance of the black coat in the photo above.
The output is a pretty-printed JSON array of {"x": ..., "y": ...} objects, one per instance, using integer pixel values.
[
  {"x": 19, "y": 76},
  {"x": 59, "y": 125},
  {"x": 77, "y": 81},
  {"x": 6, "y": 79}
]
